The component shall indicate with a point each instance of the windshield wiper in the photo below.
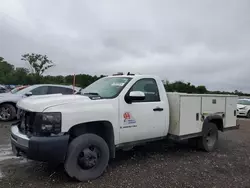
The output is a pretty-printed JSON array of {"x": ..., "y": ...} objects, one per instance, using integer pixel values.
[{"x": 93, "y": 95}]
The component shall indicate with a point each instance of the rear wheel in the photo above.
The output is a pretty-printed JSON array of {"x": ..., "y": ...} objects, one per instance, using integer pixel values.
[
  {"x": 87, "y": 157},
  {"x": 209, "y": 139},
  {"x": 7, "y": 112}
]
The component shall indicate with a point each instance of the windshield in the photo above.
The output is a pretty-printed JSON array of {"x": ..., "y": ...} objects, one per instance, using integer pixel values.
[
  {"x": 107, "y": 87},
  {"x": 244, "y": 102},
  {"x": 13, "y": 91}
]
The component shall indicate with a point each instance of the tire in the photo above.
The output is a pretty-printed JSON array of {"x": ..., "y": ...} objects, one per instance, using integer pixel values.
[
  {"x": 248, "y": 114},
  {"x": 80, "y": 149},
  {"x": 209, "y": 139},
  {"x": 7, "y": 112}
]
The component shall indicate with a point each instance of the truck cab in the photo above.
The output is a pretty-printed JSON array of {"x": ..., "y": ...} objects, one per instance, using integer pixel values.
[{"x": 83, "y": 131}]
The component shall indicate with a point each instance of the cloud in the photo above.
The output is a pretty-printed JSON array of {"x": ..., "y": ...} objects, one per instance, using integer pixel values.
[{"x": 203, "y": 42}]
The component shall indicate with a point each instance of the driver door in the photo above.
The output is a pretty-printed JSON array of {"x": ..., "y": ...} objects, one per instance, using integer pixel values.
[{"x": 143, "y": 119}]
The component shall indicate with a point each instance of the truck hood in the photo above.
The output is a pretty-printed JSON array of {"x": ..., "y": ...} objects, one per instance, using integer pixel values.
[{"x": 40, "y": 103}]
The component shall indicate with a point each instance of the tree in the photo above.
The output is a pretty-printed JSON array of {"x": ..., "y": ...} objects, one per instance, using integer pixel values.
[
  {"x": 201, "y": 89},
  {"x": 5, "y": 67},
  {"x": 6, "y": 71},
  {"x": 38, "y": 63},
  {"x": 20, "y": 76}
]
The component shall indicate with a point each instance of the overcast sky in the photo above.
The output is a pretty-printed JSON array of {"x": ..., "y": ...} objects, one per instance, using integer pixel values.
[{"x": 204, "y": 42}]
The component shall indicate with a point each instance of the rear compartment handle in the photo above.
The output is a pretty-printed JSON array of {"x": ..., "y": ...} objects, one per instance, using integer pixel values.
[
  {"x": 158, "y": 109},
  {"x": 197, "y": 116}
]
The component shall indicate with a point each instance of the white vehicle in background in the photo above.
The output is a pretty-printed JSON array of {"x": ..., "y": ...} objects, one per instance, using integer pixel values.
[
  {"x": 116, "y": 112},
  {"x": 243, "y": 108},
  {"x": 8, "y": 110},
  {"x": 3, "y": 89}
]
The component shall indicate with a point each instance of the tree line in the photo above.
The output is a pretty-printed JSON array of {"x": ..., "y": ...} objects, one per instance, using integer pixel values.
[{"x": 38, "y": 64}]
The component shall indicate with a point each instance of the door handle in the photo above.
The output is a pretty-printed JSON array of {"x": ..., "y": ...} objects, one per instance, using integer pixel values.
[{"x": 158, "y": 109}]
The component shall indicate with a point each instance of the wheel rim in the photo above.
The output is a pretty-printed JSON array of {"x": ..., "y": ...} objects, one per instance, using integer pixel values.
[
  {"x": 5, "y": 113},
  {"x": 89, "y": 157},
  {"x": 211, "y": 138}
]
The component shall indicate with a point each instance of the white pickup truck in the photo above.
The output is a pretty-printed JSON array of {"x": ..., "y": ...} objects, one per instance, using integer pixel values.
[{"x": 116, "y": 112}]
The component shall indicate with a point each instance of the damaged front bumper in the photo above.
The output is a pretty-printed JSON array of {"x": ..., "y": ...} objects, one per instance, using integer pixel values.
[{"x": 46, "y": 149}]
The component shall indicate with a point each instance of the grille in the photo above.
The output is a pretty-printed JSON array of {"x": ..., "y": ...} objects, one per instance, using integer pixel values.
[{"x": 27, "y": 120}]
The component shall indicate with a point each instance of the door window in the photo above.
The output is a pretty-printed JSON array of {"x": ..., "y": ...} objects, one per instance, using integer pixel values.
[
  {"x": 62, "y": 90},
  {"x": 149, "y": 88},
  {"x": 42, "y": 90}
]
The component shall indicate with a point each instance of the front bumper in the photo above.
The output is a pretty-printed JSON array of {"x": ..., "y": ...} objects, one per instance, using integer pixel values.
[
  {"x": 241, "y": 112},
  {"x": 46, "y": 149}
]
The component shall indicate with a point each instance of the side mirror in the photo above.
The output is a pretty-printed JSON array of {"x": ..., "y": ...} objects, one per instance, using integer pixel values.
[
  {"x": 135, "y": 96},
  {"x": 28, "y": 94}
]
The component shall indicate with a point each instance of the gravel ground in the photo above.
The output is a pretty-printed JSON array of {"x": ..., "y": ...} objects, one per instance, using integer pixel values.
[{"x": 158, "y": 164}]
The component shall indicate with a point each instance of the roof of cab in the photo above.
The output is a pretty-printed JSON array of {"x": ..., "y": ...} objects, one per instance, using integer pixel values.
[{"x": 135, "y": 75}]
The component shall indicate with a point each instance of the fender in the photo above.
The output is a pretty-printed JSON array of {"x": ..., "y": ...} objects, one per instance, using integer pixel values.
[
  {"x": 103, "y": 129},
  {"x": 216, "y": 118},
  {"x": 86, "y": 112}
]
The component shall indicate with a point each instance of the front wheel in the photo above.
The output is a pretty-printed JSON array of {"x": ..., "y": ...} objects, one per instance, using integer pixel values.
[
  {"x": 209, "y": 139},
  {"x": 7, "y": 112},
  {"x": 87, "y": 157}
]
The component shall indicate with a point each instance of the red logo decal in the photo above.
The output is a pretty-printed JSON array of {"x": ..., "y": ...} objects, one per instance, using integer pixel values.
[{"x": 126, "y": 115}]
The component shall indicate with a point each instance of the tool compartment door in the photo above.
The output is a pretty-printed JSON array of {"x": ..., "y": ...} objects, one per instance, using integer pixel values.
[
  {"x": 190, "y": 108},
  {"x": 231, "y": 107},
  {"x": 213, "y": 105}
]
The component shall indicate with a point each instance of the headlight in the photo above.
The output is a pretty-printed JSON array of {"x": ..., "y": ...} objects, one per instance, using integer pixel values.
[{"x": 51, "y": 122}]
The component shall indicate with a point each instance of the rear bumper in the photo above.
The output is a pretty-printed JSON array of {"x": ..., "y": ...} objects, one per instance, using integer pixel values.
[{"x": 46, "y": 149}]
